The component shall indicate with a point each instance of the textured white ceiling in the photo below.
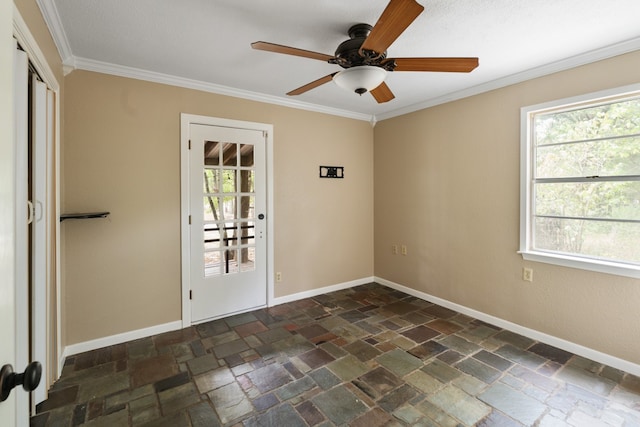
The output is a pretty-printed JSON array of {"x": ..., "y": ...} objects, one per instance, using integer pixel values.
[{"x": 207, "y": 43}]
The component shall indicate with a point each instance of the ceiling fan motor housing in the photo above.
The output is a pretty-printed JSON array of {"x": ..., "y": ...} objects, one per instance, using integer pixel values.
[{"x": 348, "y": 52}]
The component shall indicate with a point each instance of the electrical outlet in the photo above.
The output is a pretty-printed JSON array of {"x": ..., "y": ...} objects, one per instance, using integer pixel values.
[
  {"x": 527, "y": 274},
  {"x": 278, "y": 277},
  {"x": 394, "y": 249},
  {"x": 404, "y": 249}
]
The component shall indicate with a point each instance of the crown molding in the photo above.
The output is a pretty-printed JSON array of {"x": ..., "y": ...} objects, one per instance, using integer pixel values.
[
  {"x": 52, "y": 19},
  {"x": 554, "y": 67},
  {"x": 152, "y": 76}
]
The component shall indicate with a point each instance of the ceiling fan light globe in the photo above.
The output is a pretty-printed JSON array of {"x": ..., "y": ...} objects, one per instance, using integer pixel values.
[{"x": 361, "y": 79}]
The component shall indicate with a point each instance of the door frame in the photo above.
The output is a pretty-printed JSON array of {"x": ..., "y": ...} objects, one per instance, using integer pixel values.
[{"x": 185, "y": 121}]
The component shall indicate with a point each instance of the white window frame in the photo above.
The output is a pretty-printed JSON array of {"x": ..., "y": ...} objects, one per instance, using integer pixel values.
[{"x": 527, "y": 184}]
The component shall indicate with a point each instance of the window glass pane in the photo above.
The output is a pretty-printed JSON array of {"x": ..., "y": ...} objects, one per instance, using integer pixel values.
[
  {"x": 615, "y": 200},
  {"x": 604, "y": 158},
  {"x": 247, "y": 204},
  {"x": 211, "y": 208},
  {"x": 212, "y": 263},
  {"x": 247, "y": 233},
  {"x": 246, "y": 155},
  {"x": 211, "y": 153},
  {"x": 229, "y": 181},
  {"x": 598, "y": 239},
  {"x": 247, "y": 258},
  {"x": 613, "y": 119},
  {"x": 246, "y": 181},
  {"x": 231, "y": 261},
  {"x": 230, "y": 154},
  {"x": 211, "y": 181},
  {"x": 211, "y": 236}
]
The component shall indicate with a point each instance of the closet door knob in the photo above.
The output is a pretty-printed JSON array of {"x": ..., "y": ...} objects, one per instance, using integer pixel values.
[{"x": 29, "y": 379}]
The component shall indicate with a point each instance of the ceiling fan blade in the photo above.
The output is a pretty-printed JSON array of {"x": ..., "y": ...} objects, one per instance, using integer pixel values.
[
  {"x": 287, "y": 50},
  {"x": 382, "y": 93},
  {"x": 395, "y": 18},
  {"x": 312, "y": 85},
  {"x": 450, "y": 65}
]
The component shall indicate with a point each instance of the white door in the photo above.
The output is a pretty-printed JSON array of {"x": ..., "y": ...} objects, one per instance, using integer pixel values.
[
  {"x": 227, "y": 203},
  {"x": 7, "y": 210},
  {"x": 21, "y": 225},
  {"x": 40, "y": 170}
]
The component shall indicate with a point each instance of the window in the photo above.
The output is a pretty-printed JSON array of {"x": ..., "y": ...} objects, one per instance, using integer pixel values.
[{"x": 580, "y": 182}]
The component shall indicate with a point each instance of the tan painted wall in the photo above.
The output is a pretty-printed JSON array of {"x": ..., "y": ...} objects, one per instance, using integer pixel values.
[
  {"x": 447, "y": 186},
  {"x": 121, "y": 154}
]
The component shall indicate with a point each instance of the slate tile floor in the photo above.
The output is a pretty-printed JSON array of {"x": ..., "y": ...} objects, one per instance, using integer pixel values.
[{"x": 367, "y": 356}]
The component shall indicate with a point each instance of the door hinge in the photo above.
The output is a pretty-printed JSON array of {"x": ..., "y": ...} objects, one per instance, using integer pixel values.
[
  {"x": 189, "y": 219},
  {"x": 190, "y": 294},
  {"x": 189, "y": 144}
]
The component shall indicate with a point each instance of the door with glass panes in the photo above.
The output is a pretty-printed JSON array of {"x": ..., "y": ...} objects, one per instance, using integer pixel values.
[{"x": 228, "y": 224}]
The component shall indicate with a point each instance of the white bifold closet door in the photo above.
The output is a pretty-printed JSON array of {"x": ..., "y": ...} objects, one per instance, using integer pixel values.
[
  {"x": 22, "y": 219},
  {"x": 41, "y": 134}
]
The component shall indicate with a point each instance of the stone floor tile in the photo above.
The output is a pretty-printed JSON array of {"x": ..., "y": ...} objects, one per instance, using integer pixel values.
[
  {"x": 407, "y": 414},
  {"x": 585, "y": 379},
  {"x": 444, "y": 326},
  {"x": 492, "y": 360},
  {"x": 283, "y": 415},
  {"x": 479, "y": 370},
  {"x": 516, "y": 340},
  {"x": 460, "y": 405},
  {"x": 378, "y": 382},
  {"x": 177, "y": 398},
  {"x": 240, "y": 319},
  {"x": 362, "y": 350},
  {"x": 103, "y": 386},
  {"x": 551, "y": 353},
  {"x": 423, "y": 382},
  {"x": 514, "y": 403},
  {"x": 347, "y": 368},
  {"x": 374, "y": 418},
  {"x": 420, "y": 334},
  {"x": 316, "y": 358},
  {"x": 270, "y": 377},
  {"x": 460, "y": 345},
  {"x": 310, "y": 413},
  {"x": 439, "y": 311},
  {"x": 441, "y": 371},
  {"x": 203, "y": 415},
  {"x": 230, "y": 402},
  {"x": 250, "y": 328},
  {"x": 339, "y": 405},
  {"x": 439, "y": 417},
  {"x": 530, "y": 360},
  {"x": 497, "y": 419},
  {"x": 395, "y": 398},
  {"x": 213, "y": 379},
  {"x": 324, "y": 378},
  {"x": 427, "y": 350},
  {"x": 399, "y": 362}
]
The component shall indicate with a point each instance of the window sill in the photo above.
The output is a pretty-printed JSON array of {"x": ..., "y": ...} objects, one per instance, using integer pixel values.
[{"x": 608, "y": 267}]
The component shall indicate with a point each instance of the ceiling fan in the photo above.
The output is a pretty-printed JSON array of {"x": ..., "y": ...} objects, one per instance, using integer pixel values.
[{"x": 364, "y": 55}]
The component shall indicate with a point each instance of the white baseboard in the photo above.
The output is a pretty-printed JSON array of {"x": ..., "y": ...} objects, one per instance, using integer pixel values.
[
  {"x": 319, "y": 291},
  {"x": 569, "y": 346},
  {"x": 560, "y": 343},
  {"x": 81, "y": 347}
]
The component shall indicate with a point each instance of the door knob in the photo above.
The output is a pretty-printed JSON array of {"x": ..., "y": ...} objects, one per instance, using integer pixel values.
[{"x": 29, "y": 379}]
